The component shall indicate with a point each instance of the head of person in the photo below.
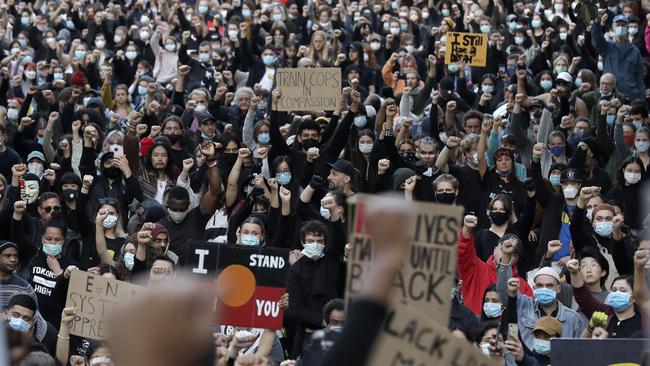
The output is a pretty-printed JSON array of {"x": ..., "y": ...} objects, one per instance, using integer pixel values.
[
  {"x": 340, "y": 199},
  {"x": 20, "y": 313},
  {"x": 591, "y": 205},
  {"x": 207, "y": 126},
  {"x": 571, "y": 181},
  {"x": 469, "y": 148},
  {"x": 262, "y": 132},
  {"x": 99, "y": 354},
  {"x": 427, "y": 150},
  {"x": 594, "y": 268},
  {"x": 621, "y": 296},
  {"x": 8, "y": 258},
  {"x": 313, "y": 236},
  {"x": 620, "y": 27},
  {"x": 446, "y": 188},
  {"x": 504, "y": 162},
  {"x": 472, "y": 121},
  {"x": 366, "y": 141},
  {"x": 36, "y": 163},
  {"x": 487, "y": 332},
  {"x": 545, "y": 329},
  {"x": 200, "y": 96},
  {"x": 162, "y": 269},
  {"x": 492, "y": 305},
  {"x": 603, "y": 219},
  {"x": 243, "y": 97},
  {"x": 309, "y": 134},
  {"x": 53, "y": 237},
  {"x": 546, "y": 286},
  {"x": 341, "y": 174},
  {"x": 172, "y": 128},
  {"x": 334, "y": 313},
  {"x": 251, "y": 232},
  {"x": 49, "y": 206},
  {"x": 159, "y": 158},
  {"x": 607, "y": 84},
  {"x": 631, "y": 172},
  {"x": 500, "y": 210},
  {"x": 178, "y": 204},
  {"x": 281, "y": 167}
]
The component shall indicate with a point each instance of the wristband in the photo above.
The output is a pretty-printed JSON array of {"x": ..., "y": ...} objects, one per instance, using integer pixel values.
[{"x": 64, "y": 338}]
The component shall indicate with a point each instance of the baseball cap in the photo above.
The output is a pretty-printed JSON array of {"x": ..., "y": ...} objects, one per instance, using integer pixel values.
[
  {"x": 446, "y": 85},
  {"x": 549, "y": 325},
  {"x": 36, "y": 154},
  {"x": 621, "y": 18},
  {"x": 344, "y": 167},
  {"x": 549, "y": 272},
  {"x": 570, "y": 175},
  {"x": 565, "y": 76}
]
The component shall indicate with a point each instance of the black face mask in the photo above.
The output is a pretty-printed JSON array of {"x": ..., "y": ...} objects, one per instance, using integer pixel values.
[
  {"x": 229, "y": 158},
  {"x": 499, "y": 218},
  {"x": 174, "y": 138},
  {"x": 408, "y": 157},
  {"x": 446, "y": 198},
  {"x": 70, "y": 194},
  {"x": 113, "y": 173},
  {"x": 309, "y": 143}
]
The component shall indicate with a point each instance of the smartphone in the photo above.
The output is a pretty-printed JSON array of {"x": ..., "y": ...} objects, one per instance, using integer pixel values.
[
  {"x": 21, "y": 182},
  {"x": 117, "y": 150},
  {"x": 502, "y": 69},
  {"x": 513, "y": 331}
]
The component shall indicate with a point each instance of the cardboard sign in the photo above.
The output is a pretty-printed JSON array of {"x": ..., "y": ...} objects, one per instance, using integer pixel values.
[
  {"x": 314, "y": 89},
  {"x": 470, "y": 48},
  {"x": 93, "y": 296},
  {"x": 249, "y": 281},
  {"x": 606, "y": 352},
  {"x": 427, "y": 274},
  {"x": 409, "y": 338}
]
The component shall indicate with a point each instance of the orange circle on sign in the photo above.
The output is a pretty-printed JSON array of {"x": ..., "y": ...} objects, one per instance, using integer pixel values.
[{"x": 236, "y": 285}]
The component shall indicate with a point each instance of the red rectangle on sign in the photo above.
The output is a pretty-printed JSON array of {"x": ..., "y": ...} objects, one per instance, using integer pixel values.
[{"x": 260, "y": 311}]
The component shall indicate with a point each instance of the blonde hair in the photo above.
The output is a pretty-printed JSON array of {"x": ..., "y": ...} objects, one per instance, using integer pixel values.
[{"x": 322, "y": 54}]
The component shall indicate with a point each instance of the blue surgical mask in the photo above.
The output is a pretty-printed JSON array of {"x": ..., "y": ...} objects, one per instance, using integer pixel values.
[
  {"x": 578, "y": 82},
  {"x": 203, "y": 9},
  {"x": 129, "y": 260},
  {"x": 250, "y": 240},
  {"x": 619, "y": 301},
  {"x": 554, "y": 179},
  {"x": 25, "y": 20},
  {"x": 492, "y": 310},
  {"x": 246, "y": 13},
  {"x": 541, "y": 346},
  {"x": 545, "y": 296},
  {"x": 313, "y": 250},
  {"x": 276, "y": 17},
  {"x": 536, "y": 23},
  {"x": 263, "y": 138},
  {"x": 360, "y": 121},
  {"x": 79, "y": 54},
  {"x": 513, "y": 25},
  {"x": 610, "y": 119},
  {"x": 19, "y": 325},
  {"x": 485, "y": 29},
  {"x": 268, "y": 60},
  {"x": 546, "y": 84},
  {"x": 404, "y": 27},
  {"x": 52, "y": 249},
  {"x": 283, "y": 178},
  {"x": 445, "y": 12},
  {"x": 487, "y": 88},
  {"x": 325, "y": 213},
  {"x": 604, "y": 229},
  {"x": 142, "y": 90}
]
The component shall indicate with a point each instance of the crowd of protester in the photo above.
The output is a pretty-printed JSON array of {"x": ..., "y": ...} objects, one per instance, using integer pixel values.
[{"x": 127, "y": 129}]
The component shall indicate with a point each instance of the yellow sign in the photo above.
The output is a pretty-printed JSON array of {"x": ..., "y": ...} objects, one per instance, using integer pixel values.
[{"x": 470, "y": 48}]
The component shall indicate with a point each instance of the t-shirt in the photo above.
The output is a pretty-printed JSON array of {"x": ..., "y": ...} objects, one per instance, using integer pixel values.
[
  {"x": 160, "y": 191},
  {"x": 565, "y": 233}
]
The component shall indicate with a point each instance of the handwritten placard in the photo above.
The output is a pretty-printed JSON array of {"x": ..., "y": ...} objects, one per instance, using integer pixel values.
[
  {"x": 427, "y": 274},
  {"x": 93, "y": 296},
  {"x": 470, "y": 48},
  {"x": 309, "y": 89}
]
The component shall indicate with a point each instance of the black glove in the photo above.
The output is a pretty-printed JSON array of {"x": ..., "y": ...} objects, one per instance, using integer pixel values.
[
  {"x": 530, "y": 184},
  {"x": 317, "y": 182}
]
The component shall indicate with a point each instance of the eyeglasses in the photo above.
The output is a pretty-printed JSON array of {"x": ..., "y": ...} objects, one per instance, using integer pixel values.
[
  {"x": 592, "y": 265},
  {"x": 49, "y": 209}
]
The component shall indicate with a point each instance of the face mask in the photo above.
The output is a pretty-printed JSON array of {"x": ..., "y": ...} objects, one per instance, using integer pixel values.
[
  {"x": 445, "y": 12},
  {"x": 112, "y": 173},
  {"x": 325, "y": 213},
  {"x": 542, "y": 347},
  {"x": 36, "y": 168},
  {"x": 563, "y": 36},
  {"x": 519, "y": 40},
  {"x": 632, "y": 178},
  {"x": 545, "y": 295},
  {"x": 589, "y": 213},
  {"x": 263, "y": 138},
  {"x": 100, "y": 44},
  {"x": 629, "y": 140},
  {"x": 409, "y": 48},
  {"x": 276, "y": 17},
  {"x": 642, "y": 146},
  {"x": 30, "y": 75},
  {"x": 325, "y": 24},
  {"x": 233, "y": 34},
  {"x": 546, "y": 84},
  {"x": 375, "y": 46},
  {"x": 25, "y": 20},
  {"x": 52, "y": 249},
  {"x": 268, "y": 60},
  {"x": 142, "y": 90},
  {"x": 558, "y": 7},
  {"x": 513, "y": 25},
  {"x": 619, "y": 301},
  {"x": 309, "y": 143},
  {"x": 475, "y": 158},
  {"x": 408, "y": 156},
  {"x": 620, "y": 31},
  {"x": 200, "y": 108},
  {"x": 453, "y": 68},
  {"x": 559, "y": 69},
  {"x": 79, "y": 54},
  {"x": 283, "y": 178},
  {"x": 425, "y": 15},
  {"x": 177, "y": 216},
  {"x": 19, "y": 325},
  {"x": 536, "y": 23},
  {"x": 366, "y": 58},
  {"x": 246, "y": 13},
  {"x": 129, "y": 260},
  {"x": 578, "y": 82},
  {"x": 110, "y": 221},
  {"x": 557, "y": 150},
  {"x": 446, "y": 198},
  {"x": 249, "y": 240},
  {"x": 404, "y": 27},
  {"x": 131, "y": 55},
  {"x": 487, "y": 88},
  {"x": 204, "y": 57},
  {"x": 554, "y": 179},
  {"x": 203, "y": 9},
  {"x": 604, "y": 94},
  {"x": 633, "y": 30},
  {"x": 117, "y": 39},
  {"x": 394, "y": 31},
  {"x": 365, "y": 148},
  {"x": 499, "y": 218},
  {"x": 313, "y": 250},
  {"x": 610, "y": 119},
  {"x": 69, "y": 194},
  {"x": 604, "y": 229},
  {"x": 485, "y": 349},
  {"x": 570, "y": 192},
  {"x": 403, "y": 14},
  {"x": 171, "y": 47},
  {"x": 492, "y": 310},
  {"x": 637, "y": 123},
  {"x": 39, "y": 140},
  {"x": 15, "y": 50},
  {"x": 360, "y": 121}
]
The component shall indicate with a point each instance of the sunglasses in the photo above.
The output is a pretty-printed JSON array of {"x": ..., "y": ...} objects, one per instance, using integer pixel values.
[{"x": 49, "y": 209}]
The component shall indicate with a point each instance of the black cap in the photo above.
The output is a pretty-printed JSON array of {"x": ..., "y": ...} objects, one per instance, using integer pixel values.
[
  {"x": 447, "y": 85},
  {"x": 205, "y": 117},
  {"x": 344, "y": 167},
  {"x": 593, "y": 146},
  {"x": 570, "y": 175},
  {"x": 6, "y": 245}
]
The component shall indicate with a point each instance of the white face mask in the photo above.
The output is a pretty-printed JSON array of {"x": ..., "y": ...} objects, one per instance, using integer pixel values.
[
  {"x": 117, "y": 39},
  {"x": 36, "y": 168},
  {"x": 129, "y": 260},
  {"x": 100, "y": 44},
  {"x": 12, "y": 114},
  {"x": 233, "y": 34},
  {"x": 171, "y": 47},
  {"x": 30, "y": 74},
  {"x": 375, "y": 46},
  {"x": 394, "y": 31},
  {"x": 365, "y": 148},
  {"x": 110, "y": 221},
  {"x": 313, "y": 250},
  {"x": 632, "y": 178},
  {"x": 570, "y": 192},
  {"x": 325, "y": 213},
  {"x": 131, "y": 55}
]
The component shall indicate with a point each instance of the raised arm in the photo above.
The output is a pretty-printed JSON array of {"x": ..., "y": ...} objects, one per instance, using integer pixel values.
[
  {"x": 100, "y": 239},
  {"x": 641, "y": 293},
  {"x": 232, "y": 188},
  {"x": 486, "y": 127}
]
